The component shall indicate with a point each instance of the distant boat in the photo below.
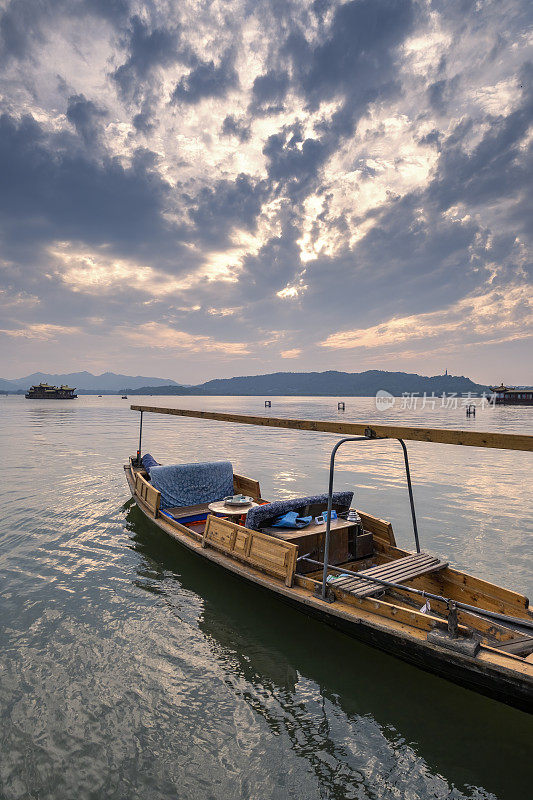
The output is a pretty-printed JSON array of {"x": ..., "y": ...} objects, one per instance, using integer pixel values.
[
  {"x": 44, "y": 391},
  {"x": 99, "y": 395},
  {"x": 124, "y": 396},
  {"x": 512, "y": 395}
]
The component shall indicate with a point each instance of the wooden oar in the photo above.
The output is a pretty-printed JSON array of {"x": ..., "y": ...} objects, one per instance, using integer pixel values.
[{"x": 501, "y": 441}]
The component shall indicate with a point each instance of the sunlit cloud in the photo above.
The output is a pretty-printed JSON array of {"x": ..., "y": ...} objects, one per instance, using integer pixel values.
[
  {"x": 495, "y": 317},
  {"x": 292, "y": 292},
  {"x": 155, "y": 335},
  {"x": 294, "y": 353},
  {"x": 44, "y": 332}
]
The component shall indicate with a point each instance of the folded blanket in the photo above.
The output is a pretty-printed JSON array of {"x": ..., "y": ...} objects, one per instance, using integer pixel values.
[
  {"x": 192, "y": 484},
  {"x": 148, "y": 461}
]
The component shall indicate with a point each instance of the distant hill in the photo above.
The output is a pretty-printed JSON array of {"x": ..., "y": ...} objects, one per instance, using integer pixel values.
[
  {"x": 86, "y": 382},
  {"x": 330, "y": 383}
]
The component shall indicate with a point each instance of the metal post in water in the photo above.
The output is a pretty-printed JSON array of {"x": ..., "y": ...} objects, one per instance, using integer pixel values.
[
  {"x": 410, "y": 489},
  {"x": 139, "y": 451}
]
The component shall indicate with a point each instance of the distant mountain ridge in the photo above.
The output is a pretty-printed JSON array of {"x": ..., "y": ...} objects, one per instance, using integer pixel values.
[
  {"x": 330, "y": 383},
  {"x": 85, "y": 381}
]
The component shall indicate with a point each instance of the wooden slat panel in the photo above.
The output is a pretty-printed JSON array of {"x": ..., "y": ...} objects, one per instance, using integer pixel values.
[
  {"x": 241, "y": 541},
  {"x": 379, "y": 527},
  {"x": 267, "y": 552},
  {"x": 257, "y": 549},
  {"x": 220, "y": 534},
  {"x": 504, "y": 441},
  {"x": 247, "y": 486},
  {"x": 148, "y": 494},
  {"x": 475, "y": 591}
]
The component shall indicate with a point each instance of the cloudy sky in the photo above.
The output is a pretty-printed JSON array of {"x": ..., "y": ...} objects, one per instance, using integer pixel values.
[{"x": 207, "y": 189}]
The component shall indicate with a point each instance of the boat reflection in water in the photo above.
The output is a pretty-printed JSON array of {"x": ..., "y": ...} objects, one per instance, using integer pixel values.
[{"x": 327, "y": 708}]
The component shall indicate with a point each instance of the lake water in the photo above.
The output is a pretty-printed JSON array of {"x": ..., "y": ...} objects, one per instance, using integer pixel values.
[{"x": 132, "y": 669}]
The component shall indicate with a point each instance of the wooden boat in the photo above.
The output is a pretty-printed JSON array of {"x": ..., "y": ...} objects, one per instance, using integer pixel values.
[{"x": 355, "y": 577}]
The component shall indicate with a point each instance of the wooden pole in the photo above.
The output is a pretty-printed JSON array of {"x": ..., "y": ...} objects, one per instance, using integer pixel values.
[{"x": 501, "y": 441}]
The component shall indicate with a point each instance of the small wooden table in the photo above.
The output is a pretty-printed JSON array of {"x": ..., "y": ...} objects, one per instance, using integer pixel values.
[{"x": 220, "y": 507}]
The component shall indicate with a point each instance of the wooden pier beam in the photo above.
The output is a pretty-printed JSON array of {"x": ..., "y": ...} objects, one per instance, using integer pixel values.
[{"x": 492, "y": 439}]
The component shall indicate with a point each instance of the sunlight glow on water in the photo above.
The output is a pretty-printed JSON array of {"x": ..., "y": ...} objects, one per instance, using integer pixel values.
[{"x": 132, "y": 669}]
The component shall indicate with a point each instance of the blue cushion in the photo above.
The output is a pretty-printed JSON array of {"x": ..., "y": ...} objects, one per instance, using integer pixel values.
[
  {"x": 148, "y": 461},
  {"x": 193, "y": 484},
  {"x": 262, "y": 516}
]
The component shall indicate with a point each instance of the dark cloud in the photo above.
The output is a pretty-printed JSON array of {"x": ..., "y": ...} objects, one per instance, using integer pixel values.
[
  {"x": 354, "y": 61},
  {"x": 321, "y": 7},
  {"x": 18, "y": 25},
  {"x": 293, "y": 159},
  {"x": 275, "y": 265},
  {"x": 207, "y": 80},
  {"x": 357, "y": 54},
  {"x": 86, "y": 117},
  {"x": 115, "y": 11},
  {"x": 431, "y": 138},
  {"x": 268, "y": 92},
  {"x": 60, "y": 194},
  {"x": 232, "y": 126},
  {"x": 499, "y": 167},
  {"x": 440, "y": 94},
  {"x": 144, "y": 121},
  {"x": 227, "y": 204},
  {"x": 147, "y": 48}
]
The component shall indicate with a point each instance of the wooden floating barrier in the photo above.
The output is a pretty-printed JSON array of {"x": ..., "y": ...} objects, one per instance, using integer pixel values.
[{"x": 491, "y": 439}]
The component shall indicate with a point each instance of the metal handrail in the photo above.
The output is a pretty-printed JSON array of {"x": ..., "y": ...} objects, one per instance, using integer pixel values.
[{"x": 368, "y": 438}]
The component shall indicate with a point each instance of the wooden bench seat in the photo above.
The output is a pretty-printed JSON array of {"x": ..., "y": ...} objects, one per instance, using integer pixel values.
[
  {"x": 397, "y": 571},
  {"x": 186, "y": 511}
]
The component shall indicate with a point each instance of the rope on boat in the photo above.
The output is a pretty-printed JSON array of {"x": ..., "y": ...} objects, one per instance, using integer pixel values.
[{"x": 480, "y": 612}]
